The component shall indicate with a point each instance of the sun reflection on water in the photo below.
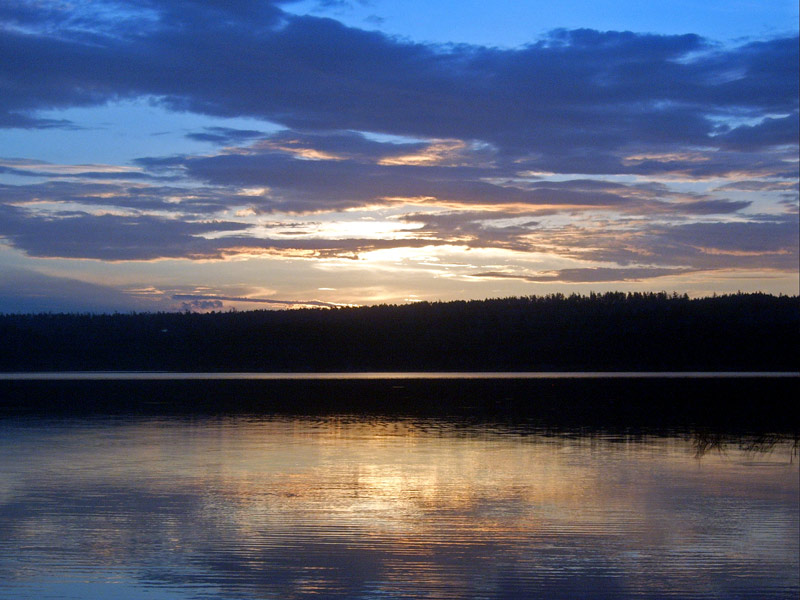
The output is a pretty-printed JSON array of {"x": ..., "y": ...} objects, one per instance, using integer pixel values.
[{"x": 347, "y": 507}]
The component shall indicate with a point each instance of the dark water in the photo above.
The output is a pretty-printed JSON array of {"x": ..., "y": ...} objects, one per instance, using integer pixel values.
[{"x": 246, "y": 506}]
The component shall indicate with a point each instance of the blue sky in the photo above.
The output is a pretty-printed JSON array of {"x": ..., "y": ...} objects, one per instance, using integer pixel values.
[
  {"x": 513, "y": 23},
  {"x": 187, "y": 154}
]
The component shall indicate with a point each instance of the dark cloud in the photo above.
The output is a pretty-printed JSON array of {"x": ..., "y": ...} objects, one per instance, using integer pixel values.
[
  {"x": 476, "y": 130},
  {"x": 314, "y": 185},
  {"x": 359, "y": 172},
  {"x": 783, "y": 131},
  {"x": 341, "y": 144},
  {"x": 762, "y": 242},
  {"x": 771, "y": 243},
  {"x": 17, "y": 120},
  {"x": 202, "y": 305},
  {"x": 217, "y": 301},
  {"x": 26, "y": 291},
  {"x": 711, "y": 207},
  {"x": 741, "y": 237},
  {"x": 340, "y": 4},
  {"x": 760, "y": 186},
  {"x": 476, "y": 229},
  {"x": 576, "y": 97},
  {"x": 183, "y": 222},
  {"x": 224, "y": 135},
  {"x": 666, "y": 160},
  {"x": 178, "y": 201},
  {"x": 77, "y": 234},
  {"x": 109, "y": 237}
]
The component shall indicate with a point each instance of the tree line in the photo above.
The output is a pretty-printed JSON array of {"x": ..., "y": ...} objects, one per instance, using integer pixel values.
[{"x": 610, "y": 331}]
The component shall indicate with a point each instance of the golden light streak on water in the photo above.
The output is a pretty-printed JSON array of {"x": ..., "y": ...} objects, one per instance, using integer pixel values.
[{"x": 344, "y": 507}]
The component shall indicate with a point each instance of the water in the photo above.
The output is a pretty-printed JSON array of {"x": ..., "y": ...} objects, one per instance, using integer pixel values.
[
  {"x": 247, "y": 506},
  {"x": 382, "y": 376}
]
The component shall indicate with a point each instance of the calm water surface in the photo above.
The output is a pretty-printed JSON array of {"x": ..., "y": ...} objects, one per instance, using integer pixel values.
[
  {"x": 343, "y": 507},
  {"x": 175, "y": 376}
]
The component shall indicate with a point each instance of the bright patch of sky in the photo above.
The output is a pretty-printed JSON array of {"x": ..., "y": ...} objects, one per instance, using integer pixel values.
[
  {"x": 234, "y": 150},
  {"x": 512, "y": 23},
  {"x": 117, "y": 133}
]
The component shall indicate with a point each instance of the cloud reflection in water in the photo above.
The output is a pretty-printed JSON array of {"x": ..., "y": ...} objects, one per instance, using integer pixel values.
[{"x": 290, "y": 508}]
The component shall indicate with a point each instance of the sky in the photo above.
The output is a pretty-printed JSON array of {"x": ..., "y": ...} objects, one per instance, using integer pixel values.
[{"x": 239, "y": 154}]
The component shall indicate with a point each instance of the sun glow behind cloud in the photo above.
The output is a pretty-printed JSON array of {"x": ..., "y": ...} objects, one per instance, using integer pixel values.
[{"x": 471, "y": 171}]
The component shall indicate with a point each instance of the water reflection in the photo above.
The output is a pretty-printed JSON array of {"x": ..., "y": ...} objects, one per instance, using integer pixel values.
[{"x": 355, "y": 508}]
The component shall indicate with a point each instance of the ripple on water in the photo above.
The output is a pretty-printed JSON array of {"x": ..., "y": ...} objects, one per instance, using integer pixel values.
[{"x": 373, "y": 508}]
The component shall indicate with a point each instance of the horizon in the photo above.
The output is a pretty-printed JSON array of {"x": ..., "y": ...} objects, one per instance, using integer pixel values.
[
  {"x": 255, "y": 305},
  {"x": 170, "y": 155},
  {"x": 291, "y": 306}
]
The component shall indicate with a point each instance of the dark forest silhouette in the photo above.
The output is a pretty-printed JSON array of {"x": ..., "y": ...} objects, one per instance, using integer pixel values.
[{"x": 612, "y": 331}]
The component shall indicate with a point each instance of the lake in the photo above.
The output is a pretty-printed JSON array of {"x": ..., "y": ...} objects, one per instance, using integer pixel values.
[{"x": 237, "y": 504}]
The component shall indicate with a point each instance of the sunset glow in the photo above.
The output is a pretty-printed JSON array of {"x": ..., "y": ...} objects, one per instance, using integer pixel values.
[{"x": 344, "y": 153}]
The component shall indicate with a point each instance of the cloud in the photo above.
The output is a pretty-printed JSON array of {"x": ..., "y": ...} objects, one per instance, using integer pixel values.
[
  {"x": 575, "y": 97},
  {"x": 27, "y": 291},
  {"x": 649, "y": 152},
  {"x": 711, "y": 207},
  {"x": 202, "y": 305},
  {"x": 338, "y": 145},
  {"x": 129, "y": 196},
  {"x": 588, "y": 275},
  {"x": 308, "y": 173},
  {"x": 760, "y": 186},
  {"x": 109, "y": 237},
  {"x": 18, "y": 120},
  {"x": 207, "y": 301},
  {"x": 39, "y": 169},
  {"x": 770, "y": 244},
  {"x": 771, "y": 131},
  {"x": 316, "y": 507},
  {"x": 126, "y": 221},
  {"x": 643, "y": 249},
  {"x": 224, "y": 135}
]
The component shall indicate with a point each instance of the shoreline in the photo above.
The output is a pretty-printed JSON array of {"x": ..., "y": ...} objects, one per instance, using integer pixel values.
[
  {"x": 739, "y": 403},
  {"x": 381, "y": 375}
]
